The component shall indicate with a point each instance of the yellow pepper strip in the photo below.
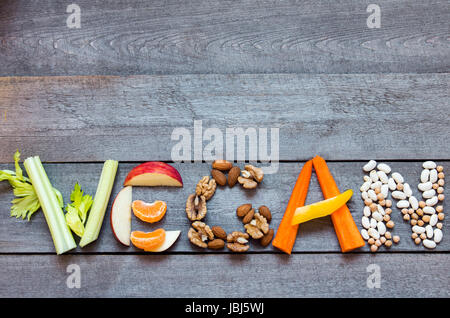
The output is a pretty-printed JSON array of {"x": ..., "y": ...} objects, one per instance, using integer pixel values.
[{"x": 321, "y": 208}]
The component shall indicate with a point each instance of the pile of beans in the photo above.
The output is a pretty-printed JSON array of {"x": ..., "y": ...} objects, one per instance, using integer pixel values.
[{"x": 376, "y": 220}]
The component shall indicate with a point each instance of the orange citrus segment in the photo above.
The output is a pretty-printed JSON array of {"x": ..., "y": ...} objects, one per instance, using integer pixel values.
[
  {"x": 149, "y": 212},
  {"x": 148, "y": 241}
]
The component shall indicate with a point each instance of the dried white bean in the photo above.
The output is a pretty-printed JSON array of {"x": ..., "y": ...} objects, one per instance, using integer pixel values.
[
  {"x": 385, "y": 190},
  {"x": 418, "y": 229},
  {"x": 429, "y": 231},
  {"x": 364, "y": 234},
  {"x": 373, "y": 223},
  {"x": 425, "y": 186},
  {"x": 381, "y": 228},
  {"x": 381, "y": 210},
  {"x": 433, "y": 220},
  {"x": 429, "y": 165},
  {"x": 432, "y": 201},
  {"x": 414, "y": 203},
  {"x": 429, "y": 194},
  {"x": 425, "y": 175},
  {"x": 429, "y": 244},
  {"x": 365, "y": 222},
  {"x": 367, "y": 212},
  {"x": 398, "y": 177},
  {"x": 365, "y": 186},
  {"x": 375, "y": 185},
  {"x": 437, "y": 235},
  {"x": 407, "y": 190},
  {"x": 374, "y": 233},
  {"x": 377, "y": 216},
  {"x": 433, "y": 176},
  {"x": 382, "y": 176},
  {"x": 372, "y": 195},
  {"x": 384, "y": 167},
  {"x": 391, "y": 184},
  {"x": 402, "y": 204},
  {"x": 364, "y": 195},
  {"x": 373, "y": 175},
  {"x": 367, "y": 178},
  {"x": 370, "y": 165},
  {"x": 429, "y": 210},
  {"x": 399, "y": 195}
]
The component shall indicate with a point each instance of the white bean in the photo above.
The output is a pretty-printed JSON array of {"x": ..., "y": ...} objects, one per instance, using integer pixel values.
[
  {"x": 398, "y": 177},
  {"x": 429, "y": 165},
  {"x": 373, "y": 175},
  {"x": 433, "y": 220},
  {"x": 385, "y": 190},
  {"x": 365, "y": 186},
  {"x": 429, "y": 194},
  {"x": 437, "y": 235},
  {"x": 364, "y": 195},
  {"x": 425, "y": 175},
  {"x": 367, "y": 211},
  {"x": 373, "y": 223},
  {"x": 377, "y": 216},
  {"x": 407, "y": 190},
  {"x": 429, "y": 210},
  {"x": 367, "y": 178},
  {"x": 365, "y": 222},
  {"x": 364, "y": 234},
  {"x": 425, "y": 186},
  {"x": 414, "y": 203},
  {"x": 418, "y": 229},
  {"x": 374, "y": 233},
  {"x": 372, "y": 195},
  {"x": 399, "y": 195},
  {"x": 433, "y": 176},
  {"x": 381, "y": 210},
  {"x": 391, "y": 184},
  {"x": 370, "y": 165},
  {"x": 402, "y": 204},
  {"x": 375, "y": 185},
  {"x": 432, "y": 201},
  {"x": 429, "y": 231},
  {"x": 384, "y": 167},
  {"x": 382, "y": 176},
  {"x": 429, "y": 244},
  {"x": 381, "y": 228}
]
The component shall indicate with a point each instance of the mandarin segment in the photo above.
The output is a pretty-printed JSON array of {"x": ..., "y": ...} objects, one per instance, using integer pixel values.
[
  {"x": 149, "y": 212},
  {"x": 148, "y": 241}
]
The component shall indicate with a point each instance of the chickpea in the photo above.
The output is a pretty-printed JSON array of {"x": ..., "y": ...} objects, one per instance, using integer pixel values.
[
  {"x": 377, "y": 190},
  {"x": 435, "y": 186},
  {"x": 388, "y": 211},
  {"x": 388, "y": 243},
  {"x": 419, "y": 212},
  {"x": 414, "y": 216},
  {"x": 382, "y": 240},
  {"x": 422, "y": 204},
  {"x": 396, "y": 239},
  {"x": 404, "y": 211},
  {"x": 441, "y": 175},
  {"x": 386, "y": 218},
  {"x": 414, "y": 236},
  {"x": 417, "y": 240},
  {"x": 423, "y": 236},
  {"x": 388, "y": 203},
  {"x": 439, "y": 225},
  {"x": 420, "y": 223},
  {"x": 410, "y": 211},
  {"x": 440, "y": 190},
  {"x": 441, "y": 182},
  {"x": 378, "y": 243},
  {"x": 368, "y": 202},
  {"x": 373, "y": 207},
  {"x": 413, "y": 222},
  {"x": 371, "y": 241},
  {"x": 441, "y": 197},
  {"x": 441, "y": 216},
  {"x": 439, "y": 208},
  {"x": 399, "y": 187},
  {"x": 426, "y": 218},
  {"x": 373, "y": 248},
  {"x": 382, "y": 202},
  {"x": 390, "y": 224},
  {"x": 440, "y": 168},
  {"x": 388, "y": 235},
  {"x": 406, "y": 217}
]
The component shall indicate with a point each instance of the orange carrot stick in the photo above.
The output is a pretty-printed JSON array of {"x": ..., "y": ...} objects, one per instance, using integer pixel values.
[
  {"x": 344, "y": 225},
  {"x": 286, "y": 233}
]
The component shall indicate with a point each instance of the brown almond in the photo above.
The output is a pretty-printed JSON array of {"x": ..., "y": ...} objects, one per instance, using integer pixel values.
[
  {"x": 219, "y": 232},
  {"x": 266, "y": 239},
  {"x": 216, "y": 244},
  {"x": 243, "y": 209},
  {"x": 220, "y": 178},
  {"x": 265, "y": 212},
  {"x": 249, "y": 216},
  {"x": 222, "y": 165},
  {"x": 233, "y": 176}
]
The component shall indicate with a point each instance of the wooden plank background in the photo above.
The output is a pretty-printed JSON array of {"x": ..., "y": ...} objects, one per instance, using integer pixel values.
[{"x": 136, "y": 70}]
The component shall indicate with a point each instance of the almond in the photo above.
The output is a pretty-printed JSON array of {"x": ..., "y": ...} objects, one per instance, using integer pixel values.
[
  {"x": 216, "y": 244},
  {"x": 243, "y": 209},
  {"x": 222, "y": 165},
  {"x": 219, "y": 232},
  {"x": 266, "y": 239},
  {"x": 220, "y": 178},
  {"x": 233, "y": 175},
  {"x": 249, "y": 216},
  {"x": 265, "y": 212}
]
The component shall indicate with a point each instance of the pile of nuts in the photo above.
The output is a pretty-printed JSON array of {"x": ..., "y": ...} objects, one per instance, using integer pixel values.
[
  {"x": 256, "y": 224},
  {"x": 377, "y": 210}
]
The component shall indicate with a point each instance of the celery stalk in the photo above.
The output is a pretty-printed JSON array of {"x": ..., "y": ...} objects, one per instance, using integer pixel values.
[
  {"x": 61, "y": 235},
  {"x": 98, "y": 209}
]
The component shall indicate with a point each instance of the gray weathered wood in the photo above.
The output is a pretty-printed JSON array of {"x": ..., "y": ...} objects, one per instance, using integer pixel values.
[
  {"x": 254, "y": 276},
  {"x": 214, "y": 36},
  {"x": 17, "y": 236},
  {"x": 342, "y": 117}
]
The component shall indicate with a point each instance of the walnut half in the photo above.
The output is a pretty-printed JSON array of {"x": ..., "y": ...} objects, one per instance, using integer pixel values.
[
  {"x": 196, "y": 207},
  {"x": 199, "y": 233},
  {"x": 237, "y": 242},
  {"x": 206, "y": 187},
  {"x": 257, "y": 227}
]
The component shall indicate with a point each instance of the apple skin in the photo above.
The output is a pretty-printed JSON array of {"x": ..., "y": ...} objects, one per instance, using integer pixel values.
[
  {"x": 122, "y": 192},
  {"x": 154, "y": 173}
]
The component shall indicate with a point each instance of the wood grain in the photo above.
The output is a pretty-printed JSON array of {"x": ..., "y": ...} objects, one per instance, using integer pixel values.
[
  {"x": 229, "y": 276},
  {"x": 17, "y": 236},
  {"x": 215, "y": 36},
  {"x": 341, "y": 117}
]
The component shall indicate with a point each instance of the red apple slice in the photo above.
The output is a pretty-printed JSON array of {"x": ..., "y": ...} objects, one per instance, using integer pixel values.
[
  {"x": 171, "y": 237},
  {"x": 121, "y": 216},
  {"x": 154, "y": 173}
]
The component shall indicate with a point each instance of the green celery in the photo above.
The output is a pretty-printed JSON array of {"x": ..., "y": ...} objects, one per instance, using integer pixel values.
[
  {"x": 51, "y": 205},
  {"x": 77, "y": 210},
  {"x": 101, "y": 198}
]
